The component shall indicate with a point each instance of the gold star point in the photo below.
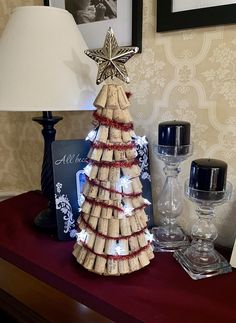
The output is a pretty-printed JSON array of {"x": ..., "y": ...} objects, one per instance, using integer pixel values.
[{"x": 111, "y": 59}]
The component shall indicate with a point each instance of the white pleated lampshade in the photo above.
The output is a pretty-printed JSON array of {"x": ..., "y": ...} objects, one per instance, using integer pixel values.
[{"x": 42, "y": 62}]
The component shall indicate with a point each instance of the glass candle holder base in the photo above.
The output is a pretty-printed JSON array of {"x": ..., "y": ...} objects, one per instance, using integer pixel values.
[
  {"x": 201, "y": 265},
  {"x": 168, "y": 238}
]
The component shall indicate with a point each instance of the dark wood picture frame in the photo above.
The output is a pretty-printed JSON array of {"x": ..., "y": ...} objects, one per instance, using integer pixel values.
[
  {"x": 137, "y": 22},
  {"x": 211, "y": 16}
]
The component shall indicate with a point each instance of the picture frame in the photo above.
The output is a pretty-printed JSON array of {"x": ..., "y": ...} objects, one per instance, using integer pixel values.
[
  {"x": 128, "y": 31},
  {"x": 219, "y": 14}
]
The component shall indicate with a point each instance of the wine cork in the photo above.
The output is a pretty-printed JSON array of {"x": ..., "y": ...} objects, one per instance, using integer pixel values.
[
  {"x": 93, "y": 191},
  {"x": 135, "y": 171},
  {"x": 100, "y": 265},
  {"x": 127, "y": 116},
  {"x": 99, "y": 111},
  {"x": 108, "y": 113},
  {"x": 96, "y": 154},
  {"x": 92, "y": 221},
  {"x": 142, "y": 240},
  {"x": 139, "y": 222},
  {"x": 103, "y": 226},
  {"x": 150, "y": 252},
  {"x": 82, "y": 225},
  {"x": 90, "y": 152},
  {"x": 135, "y": 224},
  {"x": 115, "y": 197},
  {"x": 142, "y": 216},
  {"x": 81, "y": 255},
  {"x": 131, "y": 154},
  {"x": 118, "y": 115},
  {"x": 112, "y": 267},
  {"x": 115, "y": 135},
  {"x": 113, "y": 228},
  {"x": 143, "y": 259},
  {"x": 86, "y": 188},
  {"x": 85, "y": 217},
  {"x": 134, "y": 264},
  {"x": 123, "y": 266},
  {"x": 133, "y": 243},
  {"x": 103, "y": 173},
  {"x": 110, "y": 247},
  {"x": 96, "y": 211},
  {"x": 107, "y": 155},
  {"x": 125, "y": 227},
  {"x": 126, "y": 137},
  {"x": 119, "y": 155},
  {"x": 107, "y": 212},
  {"x": 114, "y": 174},
  {"x": 76, "y": 250},
  {"x": 124, "y": 245},
  {"x": 102, "y": 134},
  {"x": 86, "y": 207},
  {"x": 94, "y": 171},
  {"x": 100, "y": 101},
  {"x": 137, "y": 185},
  {"x": 103, "y": 193},
  {"x": 91, "y": 239},
  {"x": 128, "y": 188},
  {"x": 128, "y": 202},
  {"x": 122, "y": 98},
  {"x": 137, "y": 202},
  {"x": 89, "y": 260},
  {"x": 112, "y": 97},
  {"x": 99, "y": 245},
  {"x": 115, "y": 212}
]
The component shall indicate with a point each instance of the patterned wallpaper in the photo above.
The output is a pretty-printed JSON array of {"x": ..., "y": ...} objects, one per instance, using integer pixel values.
[{"x": 184, "y": 75}]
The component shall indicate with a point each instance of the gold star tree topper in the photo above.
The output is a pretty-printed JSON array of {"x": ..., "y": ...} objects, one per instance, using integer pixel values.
[{"x": 111, "y": 59}]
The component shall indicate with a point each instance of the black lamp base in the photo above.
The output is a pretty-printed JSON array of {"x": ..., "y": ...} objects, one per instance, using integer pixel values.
[{"x": 46, "y": 220}]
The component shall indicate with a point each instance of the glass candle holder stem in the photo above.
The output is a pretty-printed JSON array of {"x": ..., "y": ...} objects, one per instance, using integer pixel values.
[
  {"x": 200, "y": 259},
  {"x": 169, "y": 236}
]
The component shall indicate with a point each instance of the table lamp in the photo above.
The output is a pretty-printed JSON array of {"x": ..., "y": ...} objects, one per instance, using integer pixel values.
[{"x": 43, "y": 68}]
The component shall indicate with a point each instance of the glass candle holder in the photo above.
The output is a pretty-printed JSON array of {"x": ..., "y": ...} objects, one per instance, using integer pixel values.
[
  {"x": 170, "y": 236},
  {"x": 200, "y": 259}
]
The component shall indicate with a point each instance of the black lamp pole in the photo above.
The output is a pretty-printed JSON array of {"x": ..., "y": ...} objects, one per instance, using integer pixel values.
[{"x": 46, "y": 219}]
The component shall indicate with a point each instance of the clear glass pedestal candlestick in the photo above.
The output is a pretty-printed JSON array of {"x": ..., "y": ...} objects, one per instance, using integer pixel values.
[
  {"x": 200, "y": 259},
  {"x": 170, "y": 236}
]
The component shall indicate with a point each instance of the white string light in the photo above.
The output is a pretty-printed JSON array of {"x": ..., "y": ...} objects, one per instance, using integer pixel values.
[
  {"x": 87, "y": 170},
  {"x": 140, "y": 141},
  {"x": 124, "y": 182},
  {"x": 82, "y": 236},
  {"x": 147, "y": 202},
  {"x": 91, "y": 135},
  {"x": 81, "y": 199},
  {"x": 128, "y": 210},
  {"x": 149, "y": 236}
]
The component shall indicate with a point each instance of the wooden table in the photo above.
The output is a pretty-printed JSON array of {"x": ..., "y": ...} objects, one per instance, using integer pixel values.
[
  {"x": 161, "y": 292},
  {"x": 28, "y": 300}
]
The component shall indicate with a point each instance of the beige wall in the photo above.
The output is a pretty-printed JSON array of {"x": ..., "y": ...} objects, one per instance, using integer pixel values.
[{"x": 185, "y": 75}]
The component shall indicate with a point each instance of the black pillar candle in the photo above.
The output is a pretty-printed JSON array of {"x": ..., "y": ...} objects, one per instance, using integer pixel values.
[
  {"x": 174, "y": 133},
  {"x": 208, "y": 174}
]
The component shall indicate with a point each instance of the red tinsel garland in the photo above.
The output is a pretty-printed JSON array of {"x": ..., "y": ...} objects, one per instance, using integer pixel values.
[
  {"x": 111, "y": 123},
  {"x": 114, "y": 207},
  {"x": 115, "y": 164},
  {"x": 107, "y": 237},
  {"x": 119, "y": 147},
  {"x": 94, "y": 183},
  {"x": 116, "y": 257}
]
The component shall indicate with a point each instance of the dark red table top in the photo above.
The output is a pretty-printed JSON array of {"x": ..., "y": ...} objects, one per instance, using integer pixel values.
[{"x": 161, "y": 292}]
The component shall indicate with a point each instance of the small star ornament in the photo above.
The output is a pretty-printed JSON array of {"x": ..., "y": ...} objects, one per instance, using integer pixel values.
[{"x": 111, "y": 59}]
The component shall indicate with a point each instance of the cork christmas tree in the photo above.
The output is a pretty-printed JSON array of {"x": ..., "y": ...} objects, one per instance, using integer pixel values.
[{"x": 113, "y": 237}]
